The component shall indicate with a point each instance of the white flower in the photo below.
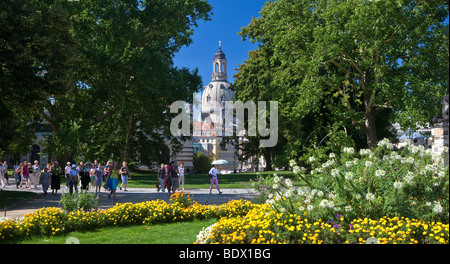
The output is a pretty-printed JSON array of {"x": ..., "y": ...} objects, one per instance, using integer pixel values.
[
  {"x": 331, "y": 195},
  {"x": 312, "y": 159},
  {"x": 398, "y": 185},
  {"x": 301, "y": 208},
  {"x": 296, "y": 170},
  {"x": 310, "y": 207},
  {"x": 408, "y": 177},
  {"x": 385, "y": 143},
  {"x": 288, "y": 193},
  {"x": 275, "y": 186},
  {"x": 276, "y": 179},
  {"x": 409, "y": 160},
  {"x": 364, "y": 152},
  {"x": 370, "y": 196},
  {"x": 438, "y": 208},
  {"x": 349, "y": 150},
  {"x": 204, "y": 234},
  {"x": 332, "y": 155},
  {"x": 348, "y": 164},
  {"x": 379, "y": 173},
  {"x": 289, "y": 183},
  {"x": 368, "y": 163},
  {"x": 349, "y": 176},
  {"x": 348, "y": 208},
  {"x": 292, "y": 163},
  {"x": 429, "y": 167},
  {"x": 326, "y": 204},
  {"x": 358, "y": 196},
  {"x": 319, "y": 193},
  {"x": 334, "y": 172},
  {"x": 270, "y": 201}
]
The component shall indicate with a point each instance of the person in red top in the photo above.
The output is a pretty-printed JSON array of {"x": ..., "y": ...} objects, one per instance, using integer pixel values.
[{"x": 25, "y": 175}]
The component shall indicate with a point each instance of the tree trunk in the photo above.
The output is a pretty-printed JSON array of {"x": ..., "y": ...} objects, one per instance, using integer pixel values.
[
  {"x": 128, "y": 138},
  {"x": 371, "y": 129}
]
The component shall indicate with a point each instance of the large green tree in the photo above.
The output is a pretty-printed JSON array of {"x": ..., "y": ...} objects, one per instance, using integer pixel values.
[
  {"x": 36, "y": 59},
  {"x": 359, "y": 60},
  {"x": 125, "y": 79}
]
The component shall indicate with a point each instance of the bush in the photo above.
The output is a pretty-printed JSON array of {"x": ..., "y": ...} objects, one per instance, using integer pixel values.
[
  {"x": 78, "y": 201},
  {"x": 410, "y": 183}
]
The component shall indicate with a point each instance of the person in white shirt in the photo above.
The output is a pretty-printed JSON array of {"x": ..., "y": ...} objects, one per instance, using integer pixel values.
[
  {"x": 181, "y": 174},
  {"x": 67, "y": 170},
  {"x": 3, "y": 173},
  {"x": 213, "y": 174}
]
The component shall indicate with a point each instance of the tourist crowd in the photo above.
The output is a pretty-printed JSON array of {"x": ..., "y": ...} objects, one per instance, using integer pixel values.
[{"x": 92, "y": 176}]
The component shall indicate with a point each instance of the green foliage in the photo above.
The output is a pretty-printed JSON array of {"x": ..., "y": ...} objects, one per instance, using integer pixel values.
[
  {"x": 101, "y": 74},
  {"x": 202, "y": 163},
  {"x": 411, "y": 183},
  {"x": 85, "y": 201},
  {"x": 345, "y": 66}
]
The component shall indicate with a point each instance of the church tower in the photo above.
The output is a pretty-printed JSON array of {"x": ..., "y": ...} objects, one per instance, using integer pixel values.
[{"x": 217, "y": 92}]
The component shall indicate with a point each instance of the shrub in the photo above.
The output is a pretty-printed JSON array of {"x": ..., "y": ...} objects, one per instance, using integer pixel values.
[
  {"x": 410, "y": 183},
  {"x": 78, "y": 201}
]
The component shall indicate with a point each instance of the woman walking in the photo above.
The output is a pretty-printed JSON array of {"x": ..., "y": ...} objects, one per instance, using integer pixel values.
[
  {"x": 112, "y": 179},
  {"x": 36, "y": 173},
  {"x": 167, "y": 180},
  {"x": 98, "y": 178},
  {"x": 17, "y": 174},
  {"x": 125, "y": 175},
  {"x": 55, "y": 176},
  {"x": 160, "y": 179},
  {"x": 25, "y": 175},
  {"x": 213, "y": 174}
]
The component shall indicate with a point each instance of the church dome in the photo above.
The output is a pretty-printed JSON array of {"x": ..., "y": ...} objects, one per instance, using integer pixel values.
[{"x": 219, "y": 55}]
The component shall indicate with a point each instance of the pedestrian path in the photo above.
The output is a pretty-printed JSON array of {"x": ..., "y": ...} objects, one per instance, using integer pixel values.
[{"x": 133, "y": 195}]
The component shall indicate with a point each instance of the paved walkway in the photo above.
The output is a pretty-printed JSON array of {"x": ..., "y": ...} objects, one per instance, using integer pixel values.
[{"x": 133, "y": 195}]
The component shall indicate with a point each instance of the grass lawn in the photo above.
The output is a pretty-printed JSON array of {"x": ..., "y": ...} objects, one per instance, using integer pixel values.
[
  {"x": 202, "y": 181},
  {"x": 8, "y": 198},
  {"x": 176, "y": 233}
]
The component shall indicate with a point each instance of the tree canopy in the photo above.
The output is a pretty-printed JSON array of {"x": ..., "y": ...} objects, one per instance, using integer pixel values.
[
  {"x": 347, "y": 66},
  {"x": 120, "y": 80}
]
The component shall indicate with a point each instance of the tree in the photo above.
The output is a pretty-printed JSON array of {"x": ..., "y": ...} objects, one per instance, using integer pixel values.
[
  {"x": 202, "y": 163},
  {"x": 358, "y": 58},
  {"x": 36, "y": 61},
  {"x": 125, "y": 81}
]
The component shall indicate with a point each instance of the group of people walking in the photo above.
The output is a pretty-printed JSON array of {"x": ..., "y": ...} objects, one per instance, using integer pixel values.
[
  {"x": 170, "y": 177},
  {"x": 87, "y": 176},
  {"x": 94, "y": 176}
]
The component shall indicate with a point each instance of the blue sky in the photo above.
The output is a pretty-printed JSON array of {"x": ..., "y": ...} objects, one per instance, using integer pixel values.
[{"x": 229, "y": 16}]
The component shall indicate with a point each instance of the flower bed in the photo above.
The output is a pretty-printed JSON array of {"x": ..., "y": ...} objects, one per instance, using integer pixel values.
[
  {"x": 54, "y": 221},
  {"x": 265, "y": 226}
]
